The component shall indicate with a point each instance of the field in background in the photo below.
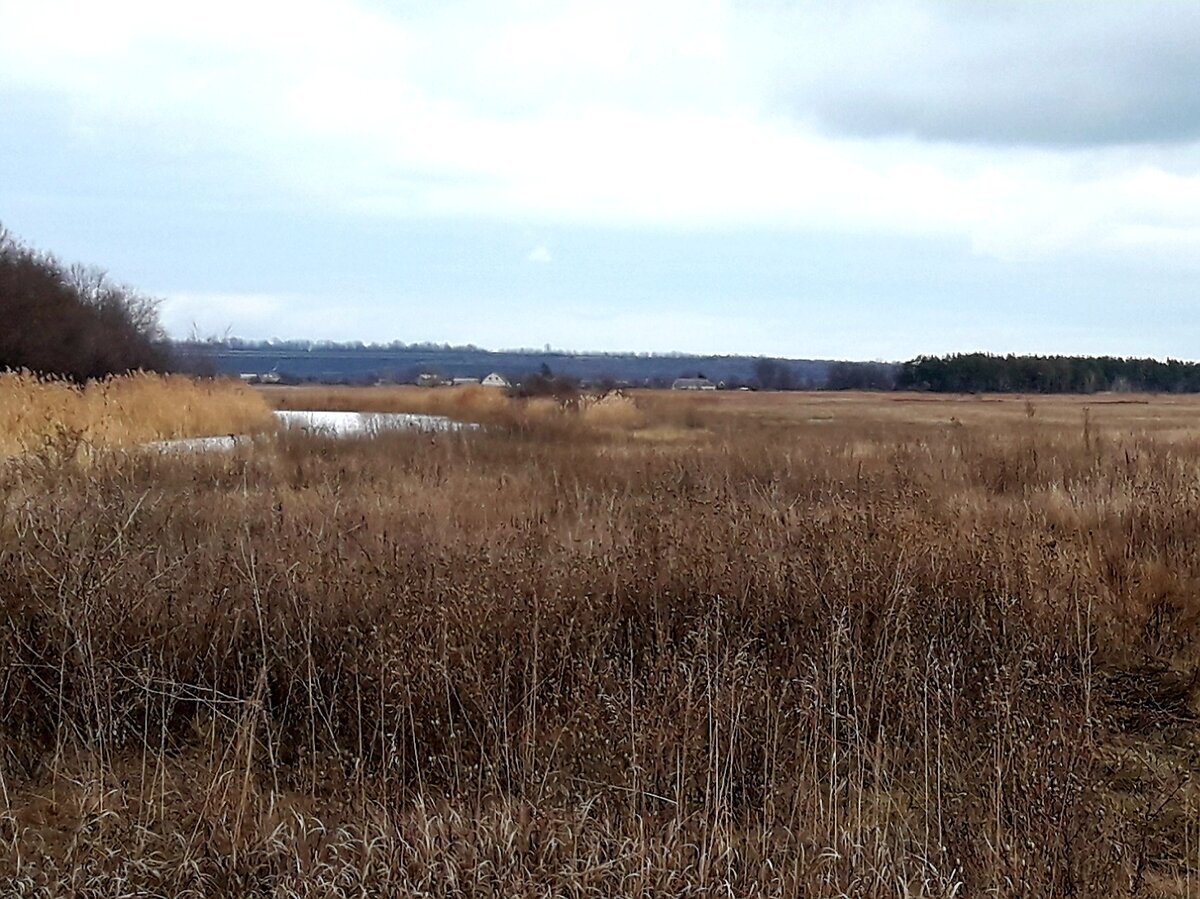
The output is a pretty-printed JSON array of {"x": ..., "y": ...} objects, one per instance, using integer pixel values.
[
  {"x": 704, "y": 645},
  {"x": 54, "y": 417},
  {"x": 877, "y": 414}
]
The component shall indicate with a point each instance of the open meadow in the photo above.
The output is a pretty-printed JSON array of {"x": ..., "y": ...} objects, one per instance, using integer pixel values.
[{"x": 720, "y": 644}]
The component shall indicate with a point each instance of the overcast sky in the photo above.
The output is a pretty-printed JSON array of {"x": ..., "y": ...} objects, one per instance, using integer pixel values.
[{"x": 807, "y": 179}]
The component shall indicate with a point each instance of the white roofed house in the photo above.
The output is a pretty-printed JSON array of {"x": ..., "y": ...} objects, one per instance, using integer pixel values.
[
  {"x": 496, "y": 380},
  {"x": 693, "y": 384},
  {"x": 270, "y": 377}
]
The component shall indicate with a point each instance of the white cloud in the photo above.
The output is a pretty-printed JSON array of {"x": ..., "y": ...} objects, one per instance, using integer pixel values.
[
  {"x": 539, "y": 254},
  {"x": 638, "y": 113}
]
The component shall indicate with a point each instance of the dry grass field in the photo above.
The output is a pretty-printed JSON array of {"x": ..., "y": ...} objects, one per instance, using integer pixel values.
[{"x": 768, "y": 645}]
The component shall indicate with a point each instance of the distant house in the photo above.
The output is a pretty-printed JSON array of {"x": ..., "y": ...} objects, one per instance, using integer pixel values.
[
  {"x": 429, "y": 379},
  {"x": 270, "y": 377},
  {"x": 463, "y": 382},
  {"x": 693, "y": 384},
  {"x": 496, "y": 380}
]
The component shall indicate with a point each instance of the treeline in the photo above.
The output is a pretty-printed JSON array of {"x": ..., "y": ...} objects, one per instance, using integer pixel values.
[
  {"x": 282, "y": 345},
  {"x": 73, "y": 321},
  {"x": 983, "y": 373},
  {"x": 861, "y": 376}
]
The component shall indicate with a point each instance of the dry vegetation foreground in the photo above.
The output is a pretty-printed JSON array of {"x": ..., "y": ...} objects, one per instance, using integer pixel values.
[{"x": 739, "y": 645}]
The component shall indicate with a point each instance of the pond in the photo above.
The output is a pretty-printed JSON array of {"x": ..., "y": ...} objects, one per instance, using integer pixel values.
[
  {"x": 345, "y": 424},
  {"x": 333, "y": 424}
]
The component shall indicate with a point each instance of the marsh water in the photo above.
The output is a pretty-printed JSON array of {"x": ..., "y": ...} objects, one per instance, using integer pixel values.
[{"x": 333, "y": 424}]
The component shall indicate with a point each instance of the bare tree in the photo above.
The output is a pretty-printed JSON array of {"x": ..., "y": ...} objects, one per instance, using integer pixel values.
[{"x": 73, "y": 320}]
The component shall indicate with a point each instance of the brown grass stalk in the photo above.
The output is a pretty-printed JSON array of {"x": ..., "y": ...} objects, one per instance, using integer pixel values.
[{"x": 802, "y": 646}]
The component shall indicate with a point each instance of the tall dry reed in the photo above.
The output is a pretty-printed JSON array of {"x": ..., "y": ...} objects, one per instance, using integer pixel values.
[
  {"x": 812, "y": 650},
  {"x": 39, "y": 414}
]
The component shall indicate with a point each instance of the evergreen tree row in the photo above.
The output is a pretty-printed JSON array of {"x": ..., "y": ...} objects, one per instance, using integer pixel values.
[{"x": 983, "y": 372}]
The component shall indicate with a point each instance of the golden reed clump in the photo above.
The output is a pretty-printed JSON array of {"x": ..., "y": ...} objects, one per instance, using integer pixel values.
[
  {"x": 37, "y": 414},
  {"x": 612, "y": 411}
]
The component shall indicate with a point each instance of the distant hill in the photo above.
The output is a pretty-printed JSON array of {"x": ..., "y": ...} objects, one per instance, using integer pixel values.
[
  {"x": 364, "y": 364},
  {"x": 356, "y": 363}
]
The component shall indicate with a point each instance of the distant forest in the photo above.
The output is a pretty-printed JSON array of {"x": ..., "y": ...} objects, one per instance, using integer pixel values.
[
  {"x": 357, "y": 363},
  {"x": 984, "y": 373}
]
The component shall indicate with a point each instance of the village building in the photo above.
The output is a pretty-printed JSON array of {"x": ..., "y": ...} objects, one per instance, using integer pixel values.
[
  {"x": 693, "y": 384},
  {"x": 270, "y": 377},
  {"x": 496, "y": 380}
]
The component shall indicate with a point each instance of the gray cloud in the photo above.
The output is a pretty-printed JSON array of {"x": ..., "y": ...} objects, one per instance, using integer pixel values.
[{"x": 1057, "y": 75}]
